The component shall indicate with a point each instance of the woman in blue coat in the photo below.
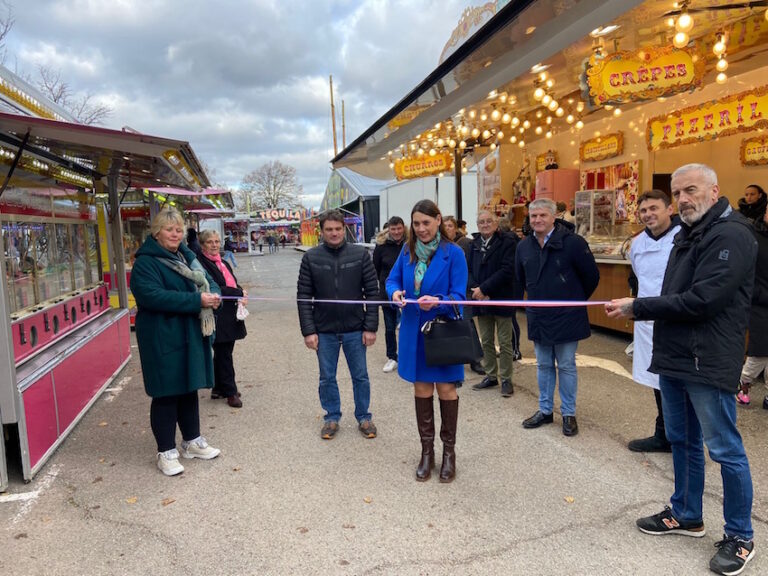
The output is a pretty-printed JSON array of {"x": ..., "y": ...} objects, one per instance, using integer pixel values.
[{"x": 430, "y": 269}]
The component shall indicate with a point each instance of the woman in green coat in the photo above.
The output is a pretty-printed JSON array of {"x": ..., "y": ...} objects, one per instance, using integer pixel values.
[{"x": 174, "y": 325}]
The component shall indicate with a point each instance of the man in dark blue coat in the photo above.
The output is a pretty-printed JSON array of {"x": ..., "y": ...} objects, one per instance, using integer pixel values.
[
  {"x": 698, "y": 346},
  {"x": 553, "y": 263}
]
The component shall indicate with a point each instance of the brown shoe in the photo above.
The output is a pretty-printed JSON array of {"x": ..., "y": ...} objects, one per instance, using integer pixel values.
[
  {"x": 329, "y": 430},
  {"x": 367, "y": 429},
  {"x": 234, "y": 401}
]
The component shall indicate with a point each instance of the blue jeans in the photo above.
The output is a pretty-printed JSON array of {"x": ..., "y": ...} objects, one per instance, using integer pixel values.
[
  {"x": 391, "y": 317},
  {"x": 230, "y": 257},
  {"x": 696, "y": 413},
  {"x": 328, "y": 358},
  {"x": 565, "y": 356}
]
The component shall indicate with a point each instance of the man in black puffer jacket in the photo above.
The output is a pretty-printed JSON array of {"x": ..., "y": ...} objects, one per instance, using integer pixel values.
[
  {"x": 698, "y": 346},
  {"x": 388, "y": 248},
  {"x": 336, "y": 270}
]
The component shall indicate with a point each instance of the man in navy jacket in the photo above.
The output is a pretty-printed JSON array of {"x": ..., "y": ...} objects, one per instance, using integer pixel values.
[
  {"x": 698, "y": 347},
  {"x": 553, "y": 263}
]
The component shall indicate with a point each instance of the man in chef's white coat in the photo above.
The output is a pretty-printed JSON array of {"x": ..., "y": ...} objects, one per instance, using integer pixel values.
[{"x": 649, "y": 254}]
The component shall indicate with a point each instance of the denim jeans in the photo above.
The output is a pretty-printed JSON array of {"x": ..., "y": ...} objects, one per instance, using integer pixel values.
[
  {"x": 697, "y": 414},
  {"x": 328, "y": 359},
  {"x": 230, "y": 257},
  {"x": 565, "y": 356},
  {"x": 391, "y": 316}
]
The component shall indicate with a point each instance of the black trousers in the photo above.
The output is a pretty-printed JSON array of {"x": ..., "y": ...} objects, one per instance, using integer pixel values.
[
  {"x": 168, "y": 411},
  {"x": 390, "y": 324},
  {"x": 224, "y": 369},
  {"x": 659, "y": 433}
]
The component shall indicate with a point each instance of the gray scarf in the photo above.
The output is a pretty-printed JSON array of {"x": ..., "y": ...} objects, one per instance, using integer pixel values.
[{"x": 196, "y": 274}]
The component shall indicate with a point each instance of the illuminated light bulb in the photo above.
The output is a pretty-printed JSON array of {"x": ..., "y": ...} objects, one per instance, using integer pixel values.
[
  {"x": 553, "y": 105},
  {"x": 475, "y": 132},
  {"x": 580, "y": 107},
  {"x": 684, "y": 23},
  {"x": 722, "y": 65},
  {"x": 483, "y": 117},
  {"x": 560, "y": 112},
  {"x": 680, "y": 40},
  {"x": 451, "y": 143},
  {"x": 549, "y": 119},
  {"x": 432, "y": 152},
  {"x": 391, "y": 165},
  {"x": 579, "y": 125},
  {"x": 462, "y": 144},
  {"x": 493, "y": 146},
  {"x": 440, "y": 142},
  {"x": 766, "y": 14},
  {"x": 719, "y": 47},
  {"x": 512, "y": 139},
  {"x": 515, "y": 122},
  {"x": 538, "y": 94},
  {"x": 464, "y": 130},
  {"x": 522, "y": 129},
  {"x": 539, "y": 113},
  {"x": 539, "y": 130},
  {"x": 486, "y": 134},
  {"x": 503, "y": 98},
  {"x": 413, "y": 146},
  {"x": 550, "y": 83},
  {"x": 526, "y": 124},
  {"x": 420, "y": 152},
  {"x": 543, "y": 76},
  {"x": 495, "y": 115},
  {"x": 506, "y": 118},
  {"x": 464, "y": 170},
  {"x": 437, "y": 126},
  {"x": 721, "y": 78},
  {"x": 472, "y": 114},
  {"x": 617, "y": 112},
  {"x": 546, "y": 100},
  {"x": 570, "y": 118},
  {"x": 521, "y": 143},
  {"x": 499, "y": 134},
  {"x": 548, "y": 134},
  {"x": 671, "y": 22}
]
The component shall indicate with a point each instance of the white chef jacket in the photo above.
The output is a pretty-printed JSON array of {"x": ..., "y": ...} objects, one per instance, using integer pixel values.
[{"x": 649, "y": 261}]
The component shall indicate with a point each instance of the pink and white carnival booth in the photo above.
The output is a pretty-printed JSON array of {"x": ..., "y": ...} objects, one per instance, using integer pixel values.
[{"x": 61, "y": 343}]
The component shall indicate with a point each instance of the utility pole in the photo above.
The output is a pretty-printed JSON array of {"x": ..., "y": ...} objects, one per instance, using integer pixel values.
[
  {"x": 343, "y": 128},
  {"x": 333, "y": 120}
]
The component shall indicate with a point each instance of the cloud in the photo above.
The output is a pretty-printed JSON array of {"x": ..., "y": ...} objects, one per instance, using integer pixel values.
[{"x": 243, "y": 82}]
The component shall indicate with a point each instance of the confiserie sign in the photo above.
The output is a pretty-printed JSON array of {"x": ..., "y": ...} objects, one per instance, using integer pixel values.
[
  {"x": 427, "y": 166},
  {"x": 741, "y": 112},
  {"x": 601, "y": 148},
  {"x": 643, "y": 75},
  {"x": 754, "y": 151}
]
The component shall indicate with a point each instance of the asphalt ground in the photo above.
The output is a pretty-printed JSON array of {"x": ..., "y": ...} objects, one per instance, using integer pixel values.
[{"x": 280, "y": 500}]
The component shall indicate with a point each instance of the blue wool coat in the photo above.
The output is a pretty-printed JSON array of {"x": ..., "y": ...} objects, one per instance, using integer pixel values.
[
  {"x": 564, "y": 269},
  {"x": 446, "y": 276}
]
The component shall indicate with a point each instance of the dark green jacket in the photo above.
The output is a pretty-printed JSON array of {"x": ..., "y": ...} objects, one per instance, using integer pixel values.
[{"x": 175, "y": 357}]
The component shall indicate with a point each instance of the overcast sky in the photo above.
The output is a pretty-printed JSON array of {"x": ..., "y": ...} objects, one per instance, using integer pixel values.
[{"x": 243, "y": 81}]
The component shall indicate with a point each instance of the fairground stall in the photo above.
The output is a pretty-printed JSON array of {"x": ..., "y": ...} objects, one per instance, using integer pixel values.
[
  {"x": 62, "y": 343},
  {"x": 357, "y": 197},
  {"x": 588, "y": 103}
]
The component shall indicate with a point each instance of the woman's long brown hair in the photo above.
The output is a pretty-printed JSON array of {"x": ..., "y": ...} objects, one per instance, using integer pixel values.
[{"x": 430, "y": 209}]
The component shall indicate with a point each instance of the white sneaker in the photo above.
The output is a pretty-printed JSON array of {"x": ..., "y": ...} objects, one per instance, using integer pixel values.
[
  {"x": 199, "y": 448},
  {"x": 168, "y": 462},
  {"x": 390, "y": 365}
]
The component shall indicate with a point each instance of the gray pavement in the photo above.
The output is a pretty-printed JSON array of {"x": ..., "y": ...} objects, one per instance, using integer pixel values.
[{"x": 279, "y": 500}]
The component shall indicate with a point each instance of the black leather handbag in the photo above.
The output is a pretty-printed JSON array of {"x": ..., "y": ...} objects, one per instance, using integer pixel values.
[{"x": 450, "y": 341}]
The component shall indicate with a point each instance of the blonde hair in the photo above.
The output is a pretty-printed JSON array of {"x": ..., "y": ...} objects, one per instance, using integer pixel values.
[{"x": 163, "y": 218}]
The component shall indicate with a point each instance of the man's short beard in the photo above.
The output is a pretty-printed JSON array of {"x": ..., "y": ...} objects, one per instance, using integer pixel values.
[{"x": 692, "y": 218}]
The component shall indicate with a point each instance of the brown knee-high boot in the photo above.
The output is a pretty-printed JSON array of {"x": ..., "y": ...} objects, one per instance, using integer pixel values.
[
  {"x": 425, "y": 420},
  {"x": 449, "y": 412}
]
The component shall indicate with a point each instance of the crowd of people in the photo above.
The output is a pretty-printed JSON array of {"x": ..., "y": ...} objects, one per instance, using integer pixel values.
[{"x": 696, "y": 290}]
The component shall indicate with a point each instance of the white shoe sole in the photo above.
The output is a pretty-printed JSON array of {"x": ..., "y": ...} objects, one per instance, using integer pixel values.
[
  {"x": 740, "y": 570},
  {"x": 172, "y": 472},
  {"x": 691, "y": 533},
  {"x": 211, "y": 456}
]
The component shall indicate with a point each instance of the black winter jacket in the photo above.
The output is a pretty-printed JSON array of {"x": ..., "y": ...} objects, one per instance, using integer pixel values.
[
  {"x": 384, "y": 257},
  {"x": 228, "y": 327},
  {"x": 701, "y": 314},
  {"x": 758, "y": 316},
  {"x": 493, "y": 271},
  {"x": 564, "y": 269},
  {"x": 343, "y": 273}
]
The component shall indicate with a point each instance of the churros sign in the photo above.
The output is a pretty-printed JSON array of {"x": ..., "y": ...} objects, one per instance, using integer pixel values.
[
  {"x": 601, "y": 148},
  {"x": 743, "y": 112},
  {"x": 419, "y": 167},
  {"x": 643, "y": 75}
]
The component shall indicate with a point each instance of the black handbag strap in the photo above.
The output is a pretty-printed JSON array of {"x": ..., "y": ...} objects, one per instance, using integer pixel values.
[{"x": 456, "y": 312}]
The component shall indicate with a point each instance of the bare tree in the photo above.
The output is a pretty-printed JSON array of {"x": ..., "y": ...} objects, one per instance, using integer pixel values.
[
  {"x": 6, "y": 23},
  {"x": 272, "y": 185},
  {"x": 81, "y": 106}
]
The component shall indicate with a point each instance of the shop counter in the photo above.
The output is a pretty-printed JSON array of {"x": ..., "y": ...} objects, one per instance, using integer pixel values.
[{"x": 614, "y": 283}]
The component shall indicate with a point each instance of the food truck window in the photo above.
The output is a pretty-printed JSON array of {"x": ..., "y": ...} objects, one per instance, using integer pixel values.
[
  {"x": 19, "y": 247},
  {"x": 93, "y": 254},
  {"x": 63, "y": 258},
  {"x": 11, "y": 253},
  {"x": 80, "y": 256},
  {"x": 47, "y": 273},
  {"x": 135, "y": 232}
]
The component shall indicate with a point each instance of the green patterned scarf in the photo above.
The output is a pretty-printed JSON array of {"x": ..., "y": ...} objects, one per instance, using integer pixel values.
[{"x": 424, "y": 254}]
